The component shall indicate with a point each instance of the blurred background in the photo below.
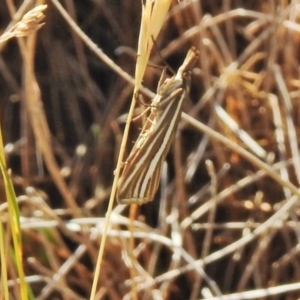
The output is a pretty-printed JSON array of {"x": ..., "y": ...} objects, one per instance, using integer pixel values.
[{"x": 63, "y": 110}]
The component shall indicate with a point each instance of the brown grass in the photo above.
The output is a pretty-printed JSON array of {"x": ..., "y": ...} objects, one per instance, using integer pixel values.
[{"x": 225, "y": 220}]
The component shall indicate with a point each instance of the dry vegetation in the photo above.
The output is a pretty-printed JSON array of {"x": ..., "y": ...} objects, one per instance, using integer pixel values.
[{"x": 225, "y": 221}]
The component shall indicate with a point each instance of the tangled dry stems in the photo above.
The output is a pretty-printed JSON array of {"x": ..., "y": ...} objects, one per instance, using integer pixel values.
[{"x": 232, "y": 231}]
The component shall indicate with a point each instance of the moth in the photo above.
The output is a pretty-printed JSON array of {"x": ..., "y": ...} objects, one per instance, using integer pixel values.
[{"x": 141, "y": 173}]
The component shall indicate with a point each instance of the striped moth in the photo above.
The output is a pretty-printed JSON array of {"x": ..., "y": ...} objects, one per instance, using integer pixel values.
[{"x": 141, "y": 174}]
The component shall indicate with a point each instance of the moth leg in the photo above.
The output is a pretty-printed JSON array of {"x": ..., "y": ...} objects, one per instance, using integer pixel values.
[
  {"x": 162, "y": 79},
  {"x": 123, "y": 164},
  {"x": 140, "y": 115},
  {"x": 141, "y": 139}
]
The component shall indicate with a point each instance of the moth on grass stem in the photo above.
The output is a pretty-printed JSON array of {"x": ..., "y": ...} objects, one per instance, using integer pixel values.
[{"x": 140, "y": 176}]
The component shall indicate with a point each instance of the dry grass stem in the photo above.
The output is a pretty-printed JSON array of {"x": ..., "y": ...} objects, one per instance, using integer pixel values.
[{"x": 224, "y": 223}]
